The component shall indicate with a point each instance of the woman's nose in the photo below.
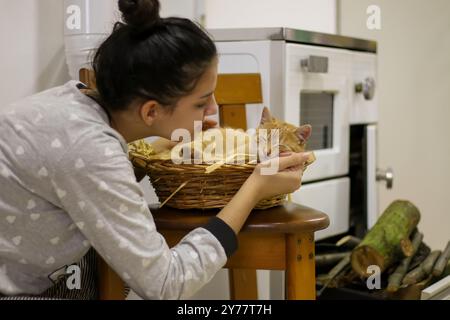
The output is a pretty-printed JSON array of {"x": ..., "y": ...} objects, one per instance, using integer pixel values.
[{"x": 212, "y": 107}]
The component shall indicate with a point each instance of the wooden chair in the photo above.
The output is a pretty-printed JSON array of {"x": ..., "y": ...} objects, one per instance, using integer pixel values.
[{"x": 279, "y": 238}]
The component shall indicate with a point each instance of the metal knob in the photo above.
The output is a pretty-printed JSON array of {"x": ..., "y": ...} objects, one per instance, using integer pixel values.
[
  {"x": 367, "y": 88},
  {"x": 386, "y": 175}
]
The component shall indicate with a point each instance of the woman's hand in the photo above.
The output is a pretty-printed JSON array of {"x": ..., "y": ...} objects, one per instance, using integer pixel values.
[{"x": 282, "y": 180}]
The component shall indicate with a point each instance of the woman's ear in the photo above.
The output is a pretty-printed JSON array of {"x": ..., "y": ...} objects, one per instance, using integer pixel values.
[{"x": 150, "y": 111}]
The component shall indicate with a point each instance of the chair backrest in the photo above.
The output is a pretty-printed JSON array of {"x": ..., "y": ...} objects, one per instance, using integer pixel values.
[{"x": 233, "y": 93}]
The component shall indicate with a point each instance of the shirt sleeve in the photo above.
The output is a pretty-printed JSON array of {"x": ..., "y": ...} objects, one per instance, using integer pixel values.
[{"x": 95, "y": 184}]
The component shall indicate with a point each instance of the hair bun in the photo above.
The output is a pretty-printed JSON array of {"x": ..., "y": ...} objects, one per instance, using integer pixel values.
[{"x": 140, "y": 14}]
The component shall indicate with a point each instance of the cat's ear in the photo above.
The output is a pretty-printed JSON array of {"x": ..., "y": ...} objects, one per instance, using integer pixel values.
[
  {"x": 266, "y": 116},
  {"x": 304, "y": 132}
]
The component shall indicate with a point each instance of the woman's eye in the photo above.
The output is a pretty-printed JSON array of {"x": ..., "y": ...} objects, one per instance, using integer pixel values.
[{"x": 201, "y": 105}]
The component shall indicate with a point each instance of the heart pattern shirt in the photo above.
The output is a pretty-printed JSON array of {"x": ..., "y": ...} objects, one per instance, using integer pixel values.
[{"x": 66, "y": 184}]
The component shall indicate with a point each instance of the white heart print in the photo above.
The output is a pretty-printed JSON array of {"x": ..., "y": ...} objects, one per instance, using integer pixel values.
[
  {"x": 54, "y": 240},
  {"x": 194, "y": 254},
  {"x": 38, "y": 118},
  {"x": 123, "y": 244},
  {"x": 50, "y": 260},
  {"x": 79, "y": 164},
  {"x": 11, "y": 219},
  {"x": 213, "y": 256},
  {"x": 17, "y": 240},
  {"x": 108, "y": 152},
  {"x": 4, "y": 172},
  {"x": 31, "y": 204},
  {"x": 146, "y": 262},
  {"x": 20, "y": 151},
  {"x": 61, "y": 193},
  {"x": 100, "y": 224},
  {"x": 102, "y": 186},
  {"x": 43, "y": 172},
  {"x": 82, "y": 204},
  {"x": 35, "y": 216},
  {"x": 126, "y": 276},
  {"x": 56, "y": 144}
]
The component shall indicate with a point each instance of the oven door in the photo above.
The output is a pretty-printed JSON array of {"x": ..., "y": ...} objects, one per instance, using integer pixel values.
[{"x": 317, "y": 92}]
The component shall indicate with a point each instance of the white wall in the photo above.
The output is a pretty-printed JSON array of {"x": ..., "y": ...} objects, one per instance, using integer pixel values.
[
  {"x": 32, "y": 50},
  {"x": 316, "y": 15},
  {"x": 185, "y": 8},
  {"x": 414, "y": 97}
]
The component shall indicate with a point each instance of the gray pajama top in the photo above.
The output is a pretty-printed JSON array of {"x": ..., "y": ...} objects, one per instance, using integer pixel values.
[{"x": 66, "y": 184}]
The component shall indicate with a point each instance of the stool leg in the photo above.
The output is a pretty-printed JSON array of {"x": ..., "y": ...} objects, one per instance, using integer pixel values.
[
  {"x": 300, "y": 267},
  {"x": 243, "y": 284},
  {"x": 111, "y": 287}
]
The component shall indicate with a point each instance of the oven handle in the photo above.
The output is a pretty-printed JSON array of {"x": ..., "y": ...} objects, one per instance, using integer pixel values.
[
  {"x": 386, "y": 175},
  {"x": 315, "y": 64}
]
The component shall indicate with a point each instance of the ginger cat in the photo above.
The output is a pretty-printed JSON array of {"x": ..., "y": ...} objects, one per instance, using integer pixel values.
[{"x": 226, "y": 145}]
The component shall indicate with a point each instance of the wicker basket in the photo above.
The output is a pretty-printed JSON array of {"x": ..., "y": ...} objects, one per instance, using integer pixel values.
[{"x": 188, "y": 186}]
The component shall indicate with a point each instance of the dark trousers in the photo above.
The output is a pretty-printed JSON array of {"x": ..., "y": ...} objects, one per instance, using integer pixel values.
[{"x": 88, "y": 284}]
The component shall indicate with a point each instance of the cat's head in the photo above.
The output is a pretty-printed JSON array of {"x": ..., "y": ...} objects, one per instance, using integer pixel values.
[{"x": 292, "y": 138}]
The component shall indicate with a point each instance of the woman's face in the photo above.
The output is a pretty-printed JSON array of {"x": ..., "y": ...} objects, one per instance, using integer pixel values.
[{"x": 193, "y": 107}]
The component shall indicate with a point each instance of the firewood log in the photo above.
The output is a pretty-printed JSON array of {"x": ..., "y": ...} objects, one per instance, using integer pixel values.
[
  {"x": 348, "y": 241},
  {"x": 441, "y": 262},
  {"x": 414, "y": 276},
  {"x": 421, "y": 254},
  {"x": 423, "y": 270},
  {"x": 328, "y": 259},
  {"x": 381, "y": 245},
  {"x": 395, "y": 279},
  {"x": 430, "y": 261},
  {"x": 335, "y": 272}
]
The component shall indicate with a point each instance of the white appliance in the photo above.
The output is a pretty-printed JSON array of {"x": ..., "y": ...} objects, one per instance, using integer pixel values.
[
  {"x": 325, "y": 80},
  {"x": 328, "y": 81}
]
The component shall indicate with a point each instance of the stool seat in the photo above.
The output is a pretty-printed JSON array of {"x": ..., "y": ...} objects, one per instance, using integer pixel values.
[
  {"x": 287, "y": 218},
  {"x": 278, "y": 238}
]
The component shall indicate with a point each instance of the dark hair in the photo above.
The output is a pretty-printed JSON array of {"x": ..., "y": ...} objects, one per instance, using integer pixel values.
[{"x": 150, "y": 57}]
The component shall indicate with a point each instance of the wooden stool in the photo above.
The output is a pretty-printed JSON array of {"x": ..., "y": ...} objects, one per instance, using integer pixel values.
[{"x": 279, "y": 238}]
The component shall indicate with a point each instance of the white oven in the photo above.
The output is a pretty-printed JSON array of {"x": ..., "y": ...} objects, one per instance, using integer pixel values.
[
  {"x": 302, "y": 83},
  {"x": 328, "y": 81},
  {"x": 316, "y": 91}
]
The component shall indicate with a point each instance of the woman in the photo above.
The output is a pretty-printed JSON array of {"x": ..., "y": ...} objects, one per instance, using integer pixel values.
[{"x": 66, "y": 183}]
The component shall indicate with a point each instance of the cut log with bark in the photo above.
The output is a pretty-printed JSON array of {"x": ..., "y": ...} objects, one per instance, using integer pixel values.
[
  {"x": 442, "y": 261},
  {"x": 423, "y": 270},
  {"x": 395, "y": 279},
  {"x": 382, "y": 244}
]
